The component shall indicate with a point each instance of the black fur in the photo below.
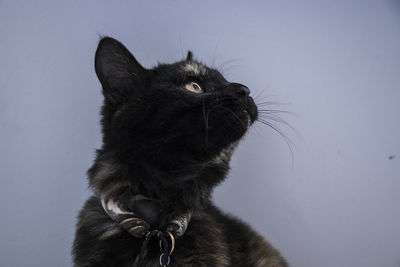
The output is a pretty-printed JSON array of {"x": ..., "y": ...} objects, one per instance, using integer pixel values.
[{"x": 173, "y": 146}]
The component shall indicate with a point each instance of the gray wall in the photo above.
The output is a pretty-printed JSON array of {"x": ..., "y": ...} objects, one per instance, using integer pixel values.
[{"x": 336, "y": 64}]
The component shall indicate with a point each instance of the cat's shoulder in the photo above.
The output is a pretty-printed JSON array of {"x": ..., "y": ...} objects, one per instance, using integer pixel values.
[{"x": 246, "y": 246}]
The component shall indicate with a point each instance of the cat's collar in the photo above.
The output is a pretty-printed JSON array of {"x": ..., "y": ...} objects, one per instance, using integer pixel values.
[{"x": 136, "y": 225}]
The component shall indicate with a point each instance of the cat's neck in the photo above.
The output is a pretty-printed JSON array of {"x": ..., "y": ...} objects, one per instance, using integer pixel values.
[{"x": 186, "y": 184}]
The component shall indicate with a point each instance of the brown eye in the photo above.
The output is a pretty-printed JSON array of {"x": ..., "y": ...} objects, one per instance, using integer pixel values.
[{"x": 194, "y": 87}]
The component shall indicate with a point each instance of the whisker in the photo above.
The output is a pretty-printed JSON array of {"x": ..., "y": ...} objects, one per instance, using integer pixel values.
[
  {"x": 287, "y": 140},
  {"x": 276, "y": 111},
  {"x": 255, "y": 98},
  {"x": 224, "y": 67},
  {"x": 280, "y": 120},
  {"x": 268, "y": 114},
  {"x": 272, "y": 115},
  {"x": 223, "y": 64},
  {"x": 214, "y": 54},
  {"x": 260, "y": 97},
  {"x": 270, "y": 103}
]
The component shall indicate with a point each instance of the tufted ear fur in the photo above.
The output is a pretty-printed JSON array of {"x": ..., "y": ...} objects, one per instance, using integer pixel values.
[
  {"x": 189, "y": 56},
  {"x": 118, "y": 71}
]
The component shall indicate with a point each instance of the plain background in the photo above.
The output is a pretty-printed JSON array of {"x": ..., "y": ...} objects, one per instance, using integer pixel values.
[{"x": 336, "y": 64}]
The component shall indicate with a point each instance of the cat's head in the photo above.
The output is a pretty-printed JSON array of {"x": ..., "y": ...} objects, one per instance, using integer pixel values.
[{"x": 172, "y": 112}]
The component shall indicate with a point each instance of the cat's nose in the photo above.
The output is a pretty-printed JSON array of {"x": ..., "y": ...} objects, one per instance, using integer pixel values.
[{"x": 240, "y": 90}]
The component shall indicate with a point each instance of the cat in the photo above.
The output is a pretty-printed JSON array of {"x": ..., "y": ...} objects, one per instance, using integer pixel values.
[{"x": 168, "y": 136}]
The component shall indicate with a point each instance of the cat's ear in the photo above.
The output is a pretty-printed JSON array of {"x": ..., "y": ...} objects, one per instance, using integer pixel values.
[
  {"x": 117, "y": 70},
  {"x": 189, "y": 56}
]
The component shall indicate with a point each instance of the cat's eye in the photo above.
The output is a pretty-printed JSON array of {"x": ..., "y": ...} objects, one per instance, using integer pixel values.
[{"x": 194, "y": 87}]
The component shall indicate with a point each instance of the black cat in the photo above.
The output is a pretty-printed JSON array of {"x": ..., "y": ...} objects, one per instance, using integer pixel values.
[{"x": 168, "y": 136}]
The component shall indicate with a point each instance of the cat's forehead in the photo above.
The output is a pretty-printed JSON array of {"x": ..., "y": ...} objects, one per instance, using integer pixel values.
[
  {"x": 188, "y": 69},
  {"x": 193, "y": 68}
]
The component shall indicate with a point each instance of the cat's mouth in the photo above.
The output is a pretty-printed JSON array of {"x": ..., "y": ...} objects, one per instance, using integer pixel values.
[
  {"x": 250, "y": 114},
  {"x": 248, "y": 117}
]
